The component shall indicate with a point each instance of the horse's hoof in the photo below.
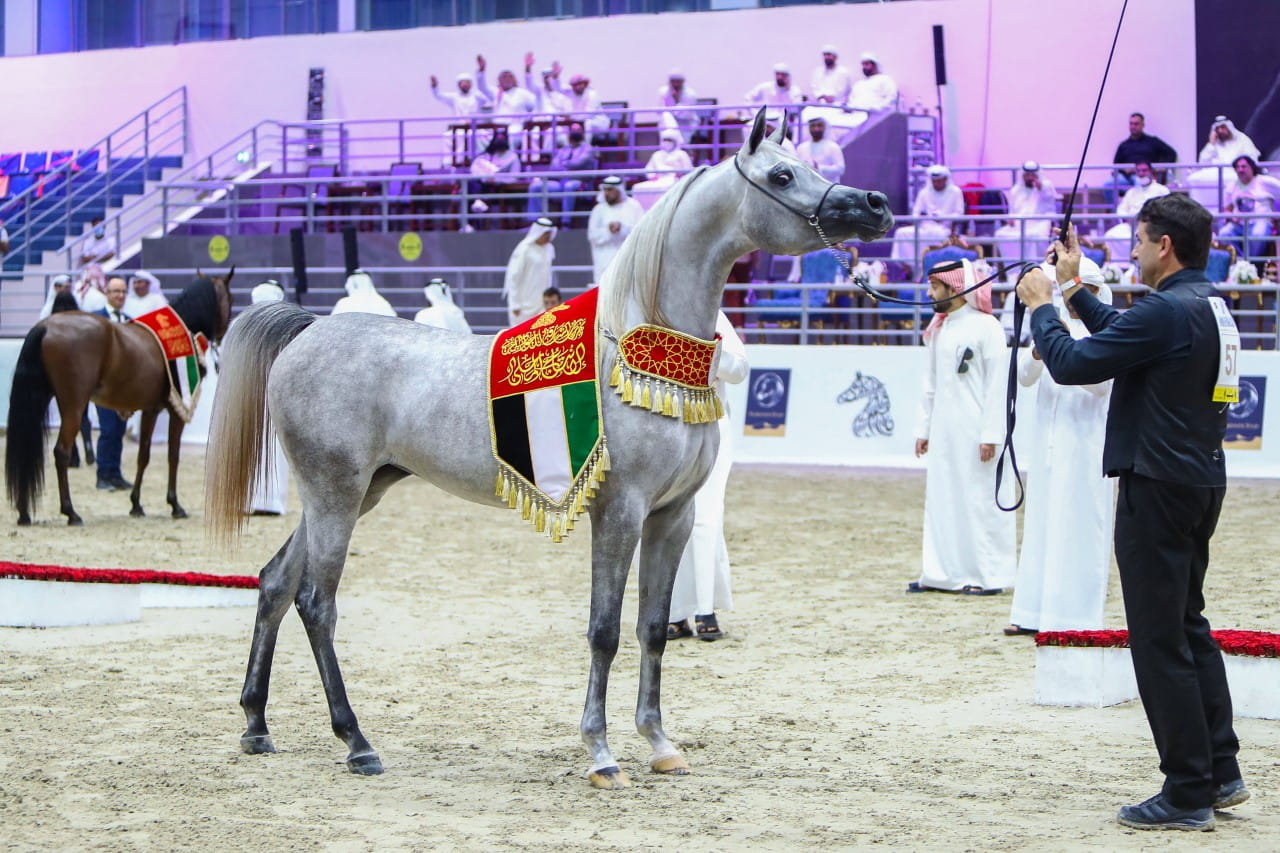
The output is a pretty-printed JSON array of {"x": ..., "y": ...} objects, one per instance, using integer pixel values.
[
  {"x": 256, "y": 744},
  {"x": 137, "y": 512},
  {"x": 365, "y": 764},
  {"x": 672, "y": 765},
  {"x": 75, "y": 521},
  {"x": 609, "y": 779},
  {"x": 24, "y": 521},
  {"x": 179, "y": 512}
]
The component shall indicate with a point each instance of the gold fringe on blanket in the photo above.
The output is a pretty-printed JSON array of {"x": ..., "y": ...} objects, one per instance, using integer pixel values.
[{"x": 555, "y": 520}]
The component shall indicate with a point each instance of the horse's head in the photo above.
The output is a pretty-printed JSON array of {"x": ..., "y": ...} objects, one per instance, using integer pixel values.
[
  {"x": 205, "y": 304},
  {"x": 791, "y": 207},
  {"x": 859, "y": 388}
]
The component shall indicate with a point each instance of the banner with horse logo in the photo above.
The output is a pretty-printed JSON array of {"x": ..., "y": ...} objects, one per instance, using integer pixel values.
[
  {"x": 184, "y": 352},
  {"x": 544, "y": 415}
]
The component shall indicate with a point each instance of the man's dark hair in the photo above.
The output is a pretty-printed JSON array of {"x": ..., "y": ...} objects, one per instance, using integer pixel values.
[
  {"x": 1188, "y": 225},
  {"x": 1146, "y": 163},
  {"x": 552, "y": 291},
  {"x": 1253, "y": 164},
  {"x": 1139, "y": 115}
]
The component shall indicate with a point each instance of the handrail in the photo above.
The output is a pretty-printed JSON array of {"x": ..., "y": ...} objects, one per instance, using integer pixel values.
[{"x": 111, "y": 149}]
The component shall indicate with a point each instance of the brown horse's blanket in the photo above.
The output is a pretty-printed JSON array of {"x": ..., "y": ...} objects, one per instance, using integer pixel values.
[{"x": 184, "y": 352}]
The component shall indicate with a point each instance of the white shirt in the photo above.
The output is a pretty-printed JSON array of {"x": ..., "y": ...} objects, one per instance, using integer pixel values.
[
  {"x": 470, "y": 104},
  {"x": 874, "y": 93},
  {"x": 686, "y": 120},
  {"x": 605, "y": 243},
  {"x": 513, "y": 101},
  {"x": 1029, "y": 201},
  {"x": 769, "y": 93},
  {"x": 136, "y": 306},
  {"x": 586, "y": 109},
  {"x": 667, "y": 165},
  {"x": 939, "y": 205},
  {"x": 1137, "y": 195},
  {"x": 836, "y": 83},
  {"x": 1259, "y": 195},
  {"x": 95, "y": 248},
  {"x": 825, "y": 156}
]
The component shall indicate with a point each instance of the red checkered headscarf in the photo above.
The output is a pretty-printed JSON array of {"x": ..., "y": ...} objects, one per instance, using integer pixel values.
[{"x": 959, "y": 276}]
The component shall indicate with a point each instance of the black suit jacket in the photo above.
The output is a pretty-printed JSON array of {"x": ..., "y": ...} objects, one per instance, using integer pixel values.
[
  {"x": 104, "y": 312},
  {"x": 1163, "y": 355}
]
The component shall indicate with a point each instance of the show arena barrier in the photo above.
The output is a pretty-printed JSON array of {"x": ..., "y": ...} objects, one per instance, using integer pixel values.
[
  {"x": 36, "y": 596},
  {"x": 1093, "y": 669}
]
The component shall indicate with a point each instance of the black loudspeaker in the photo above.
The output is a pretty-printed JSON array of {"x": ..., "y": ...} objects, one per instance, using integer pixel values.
[
  {"x": 299, "y": 261},
  {"x": 939, "y": 57},
  {"x": 350, "y": 252}
]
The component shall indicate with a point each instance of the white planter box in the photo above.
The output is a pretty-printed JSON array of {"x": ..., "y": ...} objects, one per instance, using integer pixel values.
[
  {"x": 1092, "y": 677},
  {"x": 56, "y": 604},
  {"x": 177, "y": 595}
]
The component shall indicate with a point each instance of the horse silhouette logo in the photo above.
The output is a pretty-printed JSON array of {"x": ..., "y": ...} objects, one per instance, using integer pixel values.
[{"x": 874, "y": 419}]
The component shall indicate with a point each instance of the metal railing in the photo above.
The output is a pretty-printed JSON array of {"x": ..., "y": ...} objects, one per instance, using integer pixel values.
[{"x": 126, "y": 155}]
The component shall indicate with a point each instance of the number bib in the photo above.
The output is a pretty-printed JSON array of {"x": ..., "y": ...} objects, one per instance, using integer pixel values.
[{"x": 1227, "y": 387}]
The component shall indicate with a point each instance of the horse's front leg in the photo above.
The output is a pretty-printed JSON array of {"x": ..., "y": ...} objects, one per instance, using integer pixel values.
[
  {"x": 615, "y": 530},
  {"x": 67, "y": 434},
  {"x": 176, "y": 426},
  {"x": 146, "y": 427},
  {"x": 665, "y": 534}
]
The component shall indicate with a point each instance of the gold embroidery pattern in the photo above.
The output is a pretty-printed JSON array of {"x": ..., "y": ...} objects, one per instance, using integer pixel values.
[
  {"x": 669, "y": 355},
  {"x": 667, "y": 373},
  {"x": 544, "y": 337},
  {"x": 549, "y": 364}
]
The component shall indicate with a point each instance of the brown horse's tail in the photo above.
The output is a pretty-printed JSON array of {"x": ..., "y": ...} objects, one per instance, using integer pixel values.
[
  {"x": 240, "y": 425},
  {"x": 25, "y": 433}
]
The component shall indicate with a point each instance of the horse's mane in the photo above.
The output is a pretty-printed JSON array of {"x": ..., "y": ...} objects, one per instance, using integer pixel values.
[
  {"x": 636, "y": 269},
  {"x": 197, "y": 305},
  {"x": 64, "y": 301}
]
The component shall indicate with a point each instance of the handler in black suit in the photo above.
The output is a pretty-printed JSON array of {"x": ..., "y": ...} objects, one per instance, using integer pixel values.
[
  {"x": 1164, "y": 442},
  {"x": 110, "y": 425}
]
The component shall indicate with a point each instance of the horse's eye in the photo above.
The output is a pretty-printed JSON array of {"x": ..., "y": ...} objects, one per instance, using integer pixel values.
[{"x": 780, "y": 177}]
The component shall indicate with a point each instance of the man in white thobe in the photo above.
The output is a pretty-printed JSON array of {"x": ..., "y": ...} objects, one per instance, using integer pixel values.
[
  {"x": 362, "y": 296},
  {"x": 1145, "y": 187},
  {"x": 441, "y": 311},
  {"x": 467, "y": 101},
  {"x": 775, "y": 92},
  {"x": 1031, "y": 196},
  {"x": 933, "y": 207},
  {"x": 1063, "y": 568},
  {"x": 666, "y": 166},
  {"x": 831, "y": 82},
  {"x": 510, "y": 101},
  {"x": 529, "y": 272},
  {"x": 612, "y": 219},
  {"x": 271, "y": 485},
  {"x": 703, "y": 581},
  {"x": 820, "y": 153},
  {"x": 145, "y": 295},
  {"x": 584, "y": 103},
  {"x": 970, "y": 545},
  {"x": 677, "y": 94},
  {"x": 1225, "y": 144}
]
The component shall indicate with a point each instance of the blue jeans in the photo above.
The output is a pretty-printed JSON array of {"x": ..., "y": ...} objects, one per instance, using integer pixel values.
[
  {"x": 566, "y": 189},
  {"x": 1259, "y": 236},
  {"x": 110, "y": 444}
]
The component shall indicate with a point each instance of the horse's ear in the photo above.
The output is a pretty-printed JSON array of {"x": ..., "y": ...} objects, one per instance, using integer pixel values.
[
  {"x": 757, "y": 133},
  {"x": 778, "y": 135},
  {"x": 198, "y": 273},
  {"x": 231, "y": 272}
]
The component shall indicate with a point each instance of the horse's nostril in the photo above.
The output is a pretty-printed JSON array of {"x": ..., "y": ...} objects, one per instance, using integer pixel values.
[{"x": 876, "y": 200}]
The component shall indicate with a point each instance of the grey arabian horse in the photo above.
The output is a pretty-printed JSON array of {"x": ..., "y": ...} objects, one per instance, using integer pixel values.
[{"x": 360, "y": 402}]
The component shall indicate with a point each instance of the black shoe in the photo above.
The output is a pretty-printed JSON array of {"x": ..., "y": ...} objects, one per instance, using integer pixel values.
[
  {"x": 121, "y": 483},
  {"x": 106, "y": 486},
  {"x": 88, "y": 455},
  {"x": 1230, "y": 794},
  {"x": 1159, "y": 813}
]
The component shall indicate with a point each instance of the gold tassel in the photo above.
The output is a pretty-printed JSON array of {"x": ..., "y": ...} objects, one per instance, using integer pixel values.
[
  {"x": 511, "y": 496},
  {"x": 540, "y": 520},
  {"x": 526, "y": 507},
  {"x": 667, "y": 408},
  {"x": 686, "y": 409},
  {"x": 719, "y": 406},
  {"x": 555, "y": 531},
  {"x": 568, "y": 523},
  {"x": 605, "y": 463},
  {"x": 616, "y": 376},
  {"x": 646, "y": 399},
  {"x": 498, "y": 488},
  {"x": 591, "y": 491},
  {"x": 635, "y": 393},
  {"x": 626, "y": 391},
  {"x": 704, "y": 409}
]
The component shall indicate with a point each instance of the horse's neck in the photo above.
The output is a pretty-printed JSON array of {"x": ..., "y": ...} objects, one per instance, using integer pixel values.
[{"x": 703, "y": 243}]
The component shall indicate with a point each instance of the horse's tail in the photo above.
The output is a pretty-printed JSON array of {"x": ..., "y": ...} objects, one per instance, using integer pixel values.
[
  {"x": 239, "y": 426},
  {"x": 25, "y": 442}
]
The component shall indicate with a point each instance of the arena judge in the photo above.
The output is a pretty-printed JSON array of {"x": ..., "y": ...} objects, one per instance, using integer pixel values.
[{"x": 1174, "y": 368}]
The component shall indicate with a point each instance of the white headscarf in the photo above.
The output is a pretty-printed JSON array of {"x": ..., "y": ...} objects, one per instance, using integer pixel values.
[
  {"x": 57, "y": 281},
  {"x": 269, "y": 291},
  {"x": 91, "y": 291},
  {"x": 441, "y": 311},
  {"x": 1226, "y": 152},
  {"x": 363, "y": 297},
  {"x": 1090, "y": 273},
  {"x": 529, "y": 268},
  {"x": 136, "y": 306},
  {"x": 615, "y": 182}
]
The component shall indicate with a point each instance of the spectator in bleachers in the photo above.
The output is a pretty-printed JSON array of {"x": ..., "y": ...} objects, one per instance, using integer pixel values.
[
  {"x": 1253, "y": 192},
  {"x": 467, "y": 101},
  {"x": 777, "y": 91},
  {"x": 91, "y": 291},
  {"x": 493, "y": 170},
  {"x": 1031, "y": 196},
  {"x": 876, "y": 91},
  {"x": 1145, "y": 187},
  {"x": 441, "y": 311},
  {"x": 362, "y": 297},
  {"x": 820, "y": 153},
  {"x": 666, "y": 166},
  {"x": 97, "y": 248},
  {"x": 832, "y": 83},
  {"x": 552, "y": 102},
  {"x": 576, "y": 156},
  {"x": 1139, "y": 147},
  {"x": 1225, "y": 144},
  {"x": 677, "y": 94},
  {"x": 145, "y": 295},
  {"x": 58, "y": 285},
  {"x": 510, "y": 99},
  {"x": 551, "y": 297},
  {"x": 934, "y": 206},
  {"x": 584, "y": 104},
  {"x": 529, "y": 272},
  {"x": 612, "y": 219}
]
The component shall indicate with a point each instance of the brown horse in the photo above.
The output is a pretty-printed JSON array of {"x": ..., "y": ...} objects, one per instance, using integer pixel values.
[{"x": 78, "y": 357}]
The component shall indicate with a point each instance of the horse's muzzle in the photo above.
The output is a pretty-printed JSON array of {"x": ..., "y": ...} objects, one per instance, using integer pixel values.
[{"x": 850, "y": 212}]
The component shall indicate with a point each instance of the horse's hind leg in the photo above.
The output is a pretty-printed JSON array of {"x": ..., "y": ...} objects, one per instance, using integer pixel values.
[
  {"x": 176, "y": 426},
  {"x": 277, "y": 586},
  {"x": 665, "y": 535},
  {"x": 146, "y": 427},
  {"x": 611, "y": 554},
  {"x": 67, "y": 433}
]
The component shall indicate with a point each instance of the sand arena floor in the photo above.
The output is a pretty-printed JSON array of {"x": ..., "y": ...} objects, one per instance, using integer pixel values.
[{"x": 840, "y": 712}]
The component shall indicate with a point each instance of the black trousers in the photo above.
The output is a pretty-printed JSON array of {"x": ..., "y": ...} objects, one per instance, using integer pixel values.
[{"x": 1162, "y": 547}]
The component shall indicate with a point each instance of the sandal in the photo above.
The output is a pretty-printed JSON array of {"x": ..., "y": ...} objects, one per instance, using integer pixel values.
[
  {"x": 707, "y": 627},
  {"x": 678, "y": 630},
  {"x": 1012, "y": 630},
  {"x": 978, "y": 590}
]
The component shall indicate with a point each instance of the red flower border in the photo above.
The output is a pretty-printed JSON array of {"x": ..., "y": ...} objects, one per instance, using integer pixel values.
[
  {"x": 33, "y": 572},
  {"x": 1260, "y": 644}
]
